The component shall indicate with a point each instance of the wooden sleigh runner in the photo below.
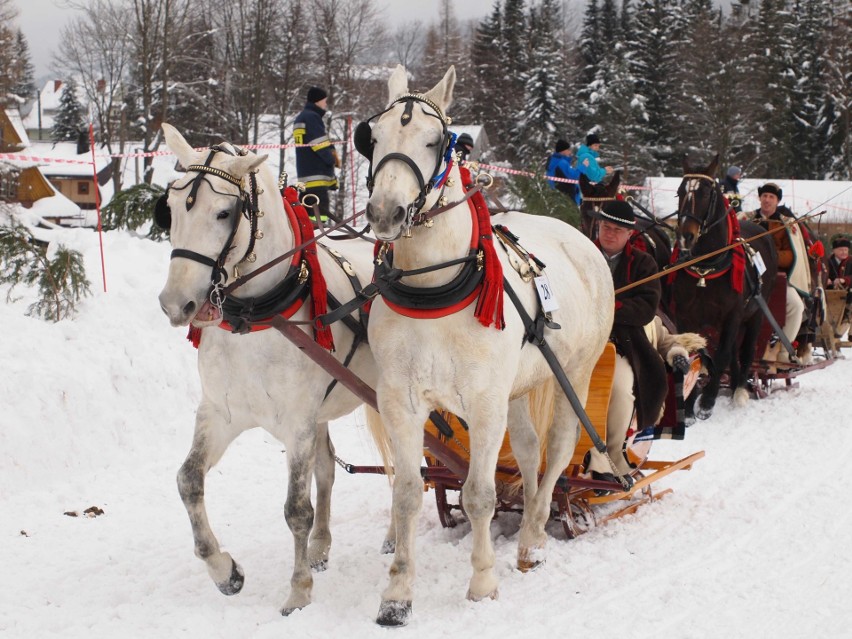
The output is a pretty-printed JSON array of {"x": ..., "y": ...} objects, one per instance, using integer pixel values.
[
  {"x": 577, "y": 502},
  {"x": 821, "y": 331}
]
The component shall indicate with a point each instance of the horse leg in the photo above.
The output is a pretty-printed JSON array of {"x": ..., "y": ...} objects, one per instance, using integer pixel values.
[
  {"x": 724, "y": 355},
  {"x": 561, "y": 441},
  {"x": 406, "y": 431},
  {"x": 739, "y": 381},
  {"x": 298, "y": 512},
  {"x": 213, "y": 434},
  {"x": 319, "y": 543},
  {"x": 487, "y": 427},
  {"x": 526, "y": 445}
]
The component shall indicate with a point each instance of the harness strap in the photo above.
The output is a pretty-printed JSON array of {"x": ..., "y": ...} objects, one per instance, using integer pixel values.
[{"x": 535, "y": 334}]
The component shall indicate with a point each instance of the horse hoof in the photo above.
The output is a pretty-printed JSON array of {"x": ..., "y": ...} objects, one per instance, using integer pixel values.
[
  {"x": 286, "y": 612},
  {"x": 388, "y": 547},
  {"x": 689, "y": 420},
  {"x": 393, "y": 614},
  {"x": 490, "y": 595},
  {"x": 319, "y": 565},
  {"x": 234, "y": 583},
  {"x": 704, "y": 413},
  {"x": 528, "y": 565}
]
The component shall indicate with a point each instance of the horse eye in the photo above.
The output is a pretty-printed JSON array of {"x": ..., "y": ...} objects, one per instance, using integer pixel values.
[{"x": 223, "y": 215}]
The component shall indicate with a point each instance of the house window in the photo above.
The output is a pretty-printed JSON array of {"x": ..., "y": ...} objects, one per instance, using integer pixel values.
[
  {"x": 82, "y": 188},
  {"x": 8, "y": 187}
]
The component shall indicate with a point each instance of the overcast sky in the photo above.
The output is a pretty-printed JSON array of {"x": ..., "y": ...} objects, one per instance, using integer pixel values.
[{"x": 42, "y": 20}]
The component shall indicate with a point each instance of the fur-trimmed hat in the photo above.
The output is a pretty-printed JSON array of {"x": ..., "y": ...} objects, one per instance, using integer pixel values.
[
  {"x": 315, "y": 94},
  {"x": 560, "y": 146},
  {"x": 840, "y": 242},
  {"x": 618, "y": 212},
  {"x": 592, "y": 138},
  {"x": 771, "y": 187}
]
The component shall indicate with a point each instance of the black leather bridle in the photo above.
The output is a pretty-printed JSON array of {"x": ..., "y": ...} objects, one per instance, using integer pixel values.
[{"x": 365, "y": 145}]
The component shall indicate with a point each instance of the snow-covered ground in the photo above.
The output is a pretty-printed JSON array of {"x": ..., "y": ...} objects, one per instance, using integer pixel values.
[{"x": 98, "y": 411}]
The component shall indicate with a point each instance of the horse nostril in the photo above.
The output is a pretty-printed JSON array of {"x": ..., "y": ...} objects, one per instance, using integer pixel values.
[
  {"x": 687, "y": 238},
  {"x": 369, "y": 212},
  {"x": 398, "y": 215},
  {"x": 189, "y": 309}
]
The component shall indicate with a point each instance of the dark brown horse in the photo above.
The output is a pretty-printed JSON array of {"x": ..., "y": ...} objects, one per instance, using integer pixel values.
[{"x": 716, "y": 297}]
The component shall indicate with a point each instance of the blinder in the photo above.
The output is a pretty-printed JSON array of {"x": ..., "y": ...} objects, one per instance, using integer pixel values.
[
  {"x": 363, "y": 138},
  {"x": 163, "y": 212}
]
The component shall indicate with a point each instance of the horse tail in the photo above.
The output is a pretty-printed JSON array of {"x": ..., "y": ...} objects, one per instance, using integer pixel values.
[
  {"x": 381, "y": 439},
  {"x": 541, "y": 402}
]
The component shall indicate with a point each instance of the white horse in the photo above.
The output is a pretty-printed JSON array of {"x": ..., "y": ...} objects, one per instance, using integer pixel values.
[
  {"x": 456, "y": 363},
  {"x": 257, "y": 379}
]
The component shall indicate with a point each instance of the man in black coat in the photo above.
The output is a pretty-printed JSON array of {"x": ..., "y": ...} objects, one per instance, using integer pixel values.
[
  {"x": 316, "y": 159},
  {"x": 639, "y": 382}
]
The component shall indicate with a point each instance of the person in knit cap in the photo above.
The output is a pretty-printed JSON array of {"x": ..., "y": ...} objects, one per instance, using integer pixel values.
[
  {"x": 639, "y": 382},
  {"x": 559, "y": 165},
  {"x": 316, "y": 158},
  {"x": 587, "y": 159},
  {"x": 839, "y": 277},
  {"x": 464, "y": 146},
  {"x": 731, "y": 187}
]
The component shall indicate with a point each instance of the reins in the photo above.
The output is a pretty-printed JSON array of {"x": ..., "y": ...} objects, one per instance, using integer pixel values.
[{"x": 739, "y": 242}]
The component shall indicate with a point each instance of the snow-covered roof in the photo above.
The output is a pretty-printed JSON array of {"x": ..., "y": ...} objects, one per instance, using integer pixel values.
[
  {"x": 56, "y": 205},
  {"x": 61, "y": 159},
  {"x": 801, "y": 196},
  {"x": 49, "y": 102},
  {"x": 18, "y": 125}
]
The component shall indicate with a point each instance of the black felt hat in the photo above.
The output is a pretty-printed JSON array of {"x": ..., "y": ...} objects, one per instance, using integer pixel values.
[
  {"x": 770, "y": 187},
  {"x": 315, "y": 94},
  {"x": 618, "y": 212}
]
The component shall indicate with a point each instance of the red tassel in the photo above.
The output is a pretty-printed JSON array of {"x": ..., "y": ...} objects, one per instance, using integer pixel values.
[
  {"x": 319, "y": 291},
  {"x": 194, "y": 335},
  {"x": 489, "y": 306},
  {"x": 738, "y": 259}
]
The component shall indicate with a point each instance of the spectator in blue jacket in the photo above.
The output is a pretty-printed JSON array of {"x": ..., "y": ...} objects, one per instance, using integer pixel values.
[
  {"x": 587, "y": 159},
  {"x": 315, "y": 162},
  {"x": 559, "y": 165}
]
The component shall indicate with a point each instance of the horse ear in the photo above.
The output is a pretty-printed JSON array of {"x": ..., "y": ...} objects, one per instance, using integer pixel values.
[
  {"x": 398, "y": 83},
  {"x": 442, "y": 93},
  {"x": 585, "y": 185},
  {"x": 178, "y": 145},
  {"x": 612, "y": 187},
  {"x": 686, "y": 167},
  {"x": 241, "y": 165},
  {"x": 714, "y": 166}
]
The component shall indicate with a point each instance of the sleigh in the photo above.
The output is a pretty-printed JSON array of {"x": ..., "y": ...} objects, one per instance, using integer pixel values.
[
  {"x": 820, "y": 331},
  {"x": 577, "y": 502}
]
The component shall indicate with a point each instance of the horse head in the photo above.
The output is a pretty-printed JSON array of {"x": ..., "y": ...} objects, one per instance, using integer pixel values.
[
  {"x": 408, "y": 146},
  {"x": 699, "y": 203},
  {"x": 203, "y": 210},
  {"x": 594, "y": 196}
]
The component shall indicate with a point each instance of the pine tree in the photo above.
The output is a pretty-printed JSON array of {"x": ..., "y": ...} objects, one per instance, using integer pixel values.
[
  {"x": 541, "y": 115},
  {"x": 514, "y": 61},
  {"x": 485, "y": 71},
  {"x": 69, "y": 119},
  {"x": 23, "y": 85},
  {"x": 838, "y": 105},
  {"x": 812, "y": 119}
]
